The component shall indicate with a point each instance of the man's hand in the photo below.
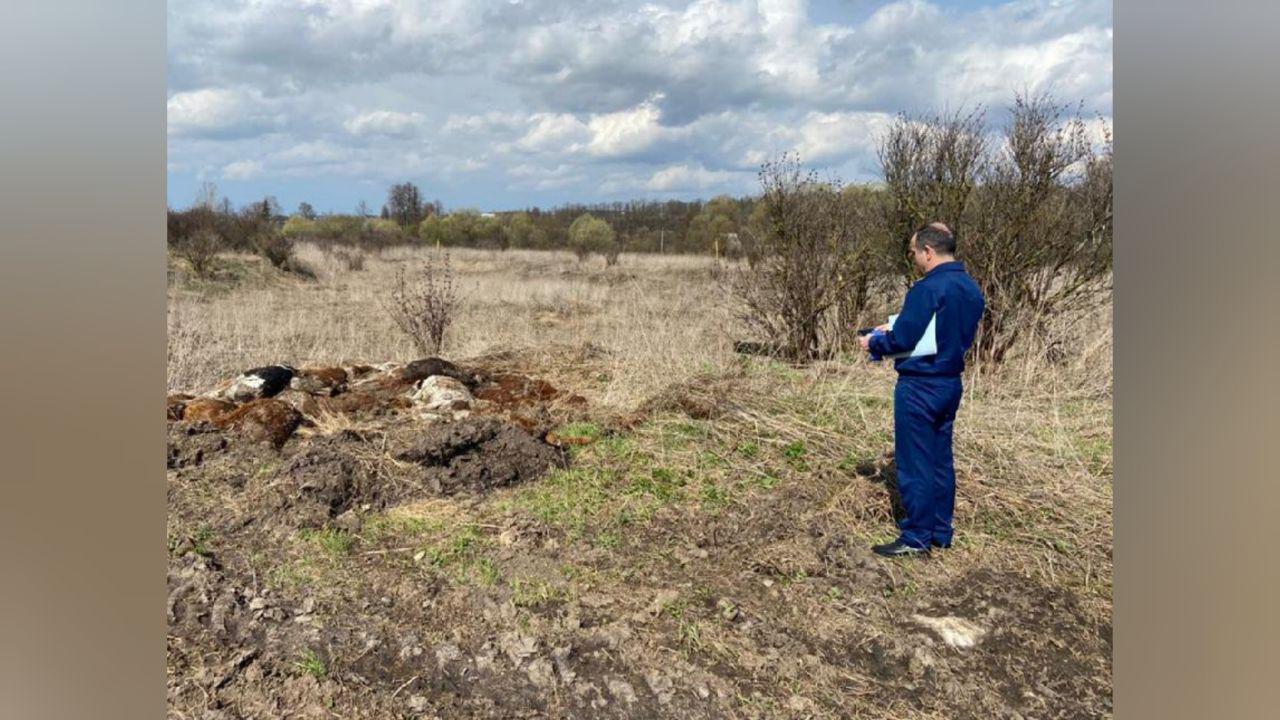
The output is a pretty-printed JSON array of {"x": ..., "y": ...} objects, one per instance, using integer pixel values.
[{"x": 865, "y": 342}]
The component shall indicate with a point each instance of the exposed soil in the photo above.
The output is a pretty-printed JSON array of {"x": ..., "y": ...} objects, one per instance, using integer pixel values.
[
  {"x": 330, "y": 574},
  {"x": 479, "y": 454}
]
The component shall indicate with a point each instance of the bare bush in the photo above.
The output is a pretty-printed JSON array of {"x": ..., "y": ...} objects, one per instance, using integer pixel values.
[
  {"x": 611, "y": 253},
  {"x": 1031, "y": 214},
  {"x": 931, "y": 165},
  {"x": 423, "y": 304},
  {"x": 1040, "y": 225},
  {"x": 811, "y": 246},
  {"x": 274, "y": 247},
  {"x": 199, "y": 250}
]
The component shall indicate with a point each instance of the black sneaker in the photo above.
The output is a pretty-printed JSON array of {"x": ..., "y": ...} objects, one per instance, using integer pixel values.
[
  {"x": 944, "y": 546},
  {"x": 899, "y": 549}
]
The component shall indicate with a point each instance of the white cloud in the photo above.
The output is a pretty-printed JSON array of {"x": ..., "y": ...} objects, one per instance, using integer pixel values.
[
  {"x": 385, "y": 122},
  {"x": 686, "y": 177},
  {"x": 220, "y": 113},
  {"x": 550, "y": 132},
  {"x": 834, "y": 136},
  {"x": 242, "y": 170},
  {"x": 626, "y": 133}
]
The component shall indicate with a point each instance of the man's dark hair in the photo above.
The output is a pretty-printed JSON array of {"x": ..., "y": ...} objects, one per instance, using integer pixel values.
[{"x": 935, "y": 235}]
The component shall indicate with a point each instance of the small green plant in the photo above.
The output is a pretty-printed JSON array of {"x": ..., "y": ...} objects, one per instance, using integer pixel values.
[
  {"x": 795, "y": 450},
  {"x": 487, "y": 571},
  {"x": 852, "y": 461},
  {"x": 335, "y": 543},
  {"x": 533, "y": 593},
  {"x": 291, "y": 575},
  {"x": 311, "y": 664},
  {"x": 608, "y": 539},
  {"x": 200, "y": 540},
  {"x": 456, "y": 547},
  {"x": 748, "y": 449},
  {"x": 714, "y": 496},
  {"x": 690, "y": 635}
]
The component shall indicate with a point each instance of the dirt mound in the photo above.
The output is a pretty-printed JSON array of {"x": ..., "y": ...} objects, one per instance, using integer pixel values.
[{"x": 478, "y": 454}]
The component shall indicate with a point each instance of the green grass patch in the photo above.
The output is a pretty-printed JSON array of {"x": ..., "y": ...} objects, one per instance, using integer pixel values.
[
  {"x": 588, "y": 430},
  {"x": 311, "y": 664},
  {"x": 335, "y": 543},
  {"x": 570, "y": 498},
  {"x": 534, "y": 593},
  {"x": 294, "y": 574},
  {"x": 202, "y": 539},
  {"x": 662, "y": 483},
  {"x": 714, "y": 497},
  {"x": 486, "y": 571},
  {"x": 795, "y": 453},
  {"x": 456, "y": 547},
  {"x": 766, "y": 481},
  {"x": 379, "y": 528}
]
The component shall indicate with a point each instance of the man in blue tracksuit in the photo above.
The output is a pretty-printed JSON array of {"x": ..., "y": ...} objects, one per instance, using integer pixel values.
[{"x": 928, "y": 391}]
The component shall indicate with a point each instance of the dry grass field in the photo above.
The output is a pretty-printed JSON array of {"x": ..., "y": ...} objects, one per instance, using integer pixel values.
[{"x": 702, "y": 554}]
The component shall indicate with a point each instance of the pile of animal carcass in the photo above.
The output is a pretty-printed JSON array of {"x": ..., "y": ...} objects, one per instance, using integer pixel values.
[{"x": 469, "y": 428}]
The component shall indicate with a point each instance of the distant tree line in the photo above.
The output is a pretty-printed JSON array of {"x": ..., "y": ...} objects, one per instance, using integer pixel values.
[
  {"x": 1030, "y": 204},
  {"x": 638, "y": 226}
]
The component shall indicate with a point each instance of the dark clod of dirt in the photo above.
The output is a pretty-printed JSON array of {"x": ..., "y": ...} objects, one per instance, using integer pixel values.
[
  {"x": 426, "y": 367},
  {"x": 480, "y": 453},
  {"x": 190, "y": 445},
  {"x": 275, "y": 378},
  {"x": 328, "y": 477}
]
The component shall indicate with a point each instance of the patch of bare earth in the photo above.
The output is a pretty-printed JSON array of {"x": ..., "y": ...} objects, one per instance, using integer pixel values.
[{"x": 524, "y": 554}]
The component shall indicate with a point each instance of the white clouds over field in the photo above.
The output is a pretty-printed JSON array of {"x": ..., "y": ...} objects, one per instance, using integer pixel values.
[{"x": 502, "y": 103}]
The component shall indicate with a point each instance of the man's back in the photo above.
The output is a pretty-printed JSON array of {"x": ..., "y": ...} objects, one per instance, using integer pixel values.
[{"x": 949, "y": 292}]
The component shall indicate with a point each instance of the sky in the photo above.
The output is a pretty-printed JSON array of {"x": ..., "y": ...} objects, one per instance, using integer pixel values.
[{"x": 506, "y": 104}]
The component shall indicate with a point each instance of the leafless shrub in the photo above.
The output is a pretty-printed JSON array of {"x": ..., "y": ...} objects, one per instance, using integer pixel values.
[
  {"x": 1040, "y": 224},
  {"x": 611, "y": 253},
  {"x": 274, "y": 247},
  {"x": 423, "y": 304},
  {"x": 1031, "y": 214},
  {"x": 931, "y": 166},
  {"x": 811, "y": 245},
  {"x": 199, "y": 250}
]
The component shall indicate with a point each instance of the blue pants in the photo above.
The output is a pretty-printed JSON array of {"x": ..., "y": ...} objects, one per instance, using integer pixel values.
[{"x": 924, "y": 409}]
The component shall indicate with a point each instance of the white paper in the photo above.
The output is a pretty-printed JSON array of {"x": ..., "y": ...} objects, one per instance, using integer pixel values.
[{"x": 928, "y": 344}]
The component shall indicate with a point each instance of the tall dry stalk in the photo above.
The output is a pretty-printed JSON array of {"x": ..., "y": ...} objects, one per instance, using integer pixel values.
[{"x": 424, "y": 304}]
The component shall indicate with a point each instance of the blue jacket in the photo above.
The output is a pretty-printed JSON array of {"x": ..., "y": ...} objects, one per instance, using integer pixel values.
[{"x": 948, "y": 291}]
